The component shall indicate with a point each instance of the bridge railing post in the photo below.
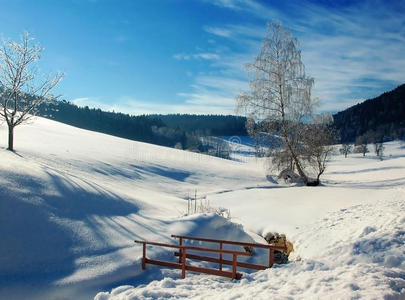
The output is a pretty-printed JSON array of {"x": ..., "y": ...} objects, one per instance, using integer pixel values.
[
  {"x": 143, "y": 256},
  {"x": 183, "y": 265}
]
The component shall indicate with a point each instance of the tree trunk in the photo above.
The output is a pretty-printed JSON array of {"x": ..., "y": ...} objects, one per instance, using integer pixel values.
[
  {"x": 313, "y": 183},
  {"x": 10, "y": 138},
  {"x": 297, "y": 163}
]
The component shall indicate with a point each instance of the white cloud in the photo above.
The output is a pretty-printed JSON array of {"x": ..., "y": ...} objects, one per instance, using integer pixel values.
[
  {"x": 193, "y": 104},
  {"x": 205, "y": 56},
  {"x": 352, "y": 52},
  {"x": 247, "y": 6},
  {"x": 223, "y": 32}
]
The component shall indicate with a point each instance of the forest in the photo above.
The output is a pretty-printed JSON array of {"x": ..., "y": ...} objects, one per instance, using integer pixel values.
[
  {"x": 177, "y": 130},
  {"x": 380, "y": 119}
]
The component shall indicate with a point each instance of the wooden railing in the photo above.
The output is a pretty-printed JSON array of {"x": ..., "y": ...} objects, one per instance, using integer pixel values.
[
  {"x": 184, "y": 254},
  {"x": 183, "y": 265},
  {"x": 221, "y": 243}
]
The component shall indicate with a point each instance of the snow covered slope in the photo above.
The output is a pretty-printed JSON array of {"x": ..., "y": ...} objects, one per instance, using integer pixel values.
[
  {"x": 349, "y": 238},
  {"x": 72, "y": 202}
]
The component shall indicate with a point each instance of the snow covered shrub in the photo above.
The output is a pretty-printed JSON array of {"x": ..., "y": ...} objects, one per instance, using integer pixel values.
[
  {"x": 289, "y": 176},
  {"x": 280, "y": 257}
]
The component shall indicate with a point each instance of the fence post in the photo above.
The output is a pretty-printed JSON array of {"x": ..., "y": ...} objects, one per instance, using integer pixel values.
[
  {"x": 143, "y": 256},
  {"x": 183, "y": 266},
  {"x": 271, "y": 257},
  {"x": 220, "y": 256},
  {"x": 234, "y": 266},
  {"x": 180, "y": 250}
]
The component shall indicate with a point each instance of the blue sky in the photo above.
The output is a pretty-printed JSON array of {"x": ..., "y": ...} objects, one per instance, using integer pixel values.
[{"x": 187, "y": 56}]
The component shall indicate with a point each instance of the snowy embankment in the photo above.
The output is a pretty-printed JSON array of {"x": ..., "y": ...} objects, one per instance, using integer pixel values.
[{"x": 73, "y": 201}]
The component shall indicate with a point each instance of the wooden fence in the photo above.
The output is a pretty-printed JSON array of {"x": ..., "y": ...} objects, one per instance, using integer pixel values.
[{"x": 184, "y": 253}]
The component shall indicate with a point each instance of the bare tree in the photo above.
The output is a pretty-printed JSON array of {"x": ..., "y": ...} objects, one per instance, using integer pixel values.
[
  {"x": 22, "y": 89},
  {"x": 280, "y": 95},
  {"x": 379, "y": 149},
  {"x": 361, "y": 145},
  {"x": 318, "y": 145},
  {"x": 346, "y": 149}
]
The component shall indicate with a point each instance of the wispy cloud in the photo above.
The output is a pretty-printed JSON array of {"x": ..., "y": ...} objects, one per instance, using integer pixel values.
[
  {"x": 192, "y": 104},
  {"x": 233, "y": 31},
  {"x": 223, "y": 32},
  {"x": 247, "y": 6},
  {"x": 213, "y": 94},
  {"x": 353, "y": 52},
  {"x": 206, "y": 56}
]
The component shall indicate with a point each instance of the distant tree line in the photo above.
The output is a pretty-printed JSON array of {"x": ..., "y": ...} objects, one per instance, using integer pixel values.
[
  {"x": 215, "y": 125},
  {"x": 375, "y": 120},
  {"x": 181, "y": 131},
  {"x": 118, "y": 124}
]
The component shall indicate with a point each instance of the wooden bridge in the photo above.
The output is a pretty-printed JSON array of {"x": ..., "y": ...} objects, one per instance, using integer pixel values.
[{"x": 184, "y": 253}]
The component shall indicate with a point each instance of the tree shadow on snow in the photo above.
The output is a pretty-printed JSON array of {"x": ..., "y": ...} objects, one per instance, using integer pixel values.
[
  {"x": 36, "y": 248},
  {"x": 132, "y": 171},
  {"x": 175, "y": 174},
  {"x": 375, "y": 184},
  {"x": 368, "y": 170},
  {"x": 81, "y": 198}
]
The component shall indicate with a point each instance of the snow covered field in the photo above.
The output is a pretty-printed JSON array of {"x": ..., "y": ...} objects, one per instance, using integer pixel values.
[{"x": 72, "y": 202}]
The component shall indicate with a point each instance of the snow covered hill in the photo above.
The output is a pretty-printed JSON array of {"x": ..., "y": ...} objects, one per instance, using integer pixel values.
[{"x": 72, "y": 202}]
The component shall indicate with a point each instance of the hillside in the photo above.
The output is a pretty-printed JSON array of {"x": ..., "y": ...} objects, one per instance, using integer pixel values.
[
  {"x": 378, "y": 119},
  {"x": 181, "y": 130},
  {"x": 73, "y": 201}
]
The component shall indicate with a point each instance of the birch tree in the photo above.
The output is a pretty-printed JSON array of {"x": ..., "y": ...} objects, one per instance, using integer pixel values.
[
  {"x": 22, "y": 89},
  {"x": 280, "y": 97}
]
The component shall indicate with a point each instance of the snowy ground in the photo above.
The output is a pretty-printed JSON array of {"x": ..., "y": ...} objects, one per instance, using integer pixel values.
[{"x": 72, "y": 202}]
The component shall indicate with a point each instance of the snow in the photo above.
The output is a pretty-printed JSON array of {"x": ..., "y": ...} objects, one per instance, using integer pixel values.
[{"x": 72, "y": 202}]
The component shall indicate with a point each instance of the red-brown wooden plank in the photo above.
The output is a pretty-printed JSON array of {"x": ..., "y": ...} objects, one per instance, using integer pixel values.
[
  {"x": 143, "y": 256},
  {"x": 271, "y": 258},
  {"x": 163, "y": 263},
  {"x": 193, "y": 248},
  {"x": 234, "y": 266},
  {"x": 255, "y": 245},
  {"x": 224, "y": 261},
  {"x": 192, "y": 268},
  {"x": 213, "y": 272},
  {"x": 183, "y": 263}
]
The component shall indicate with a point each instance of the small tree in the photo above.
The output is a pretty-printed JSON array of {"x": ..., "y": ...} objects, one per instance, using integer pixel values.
[
  {"x": 379, "y": 149},
  {"x": 362, "y": 148},
  {"x": 178, "y": 145},
  {"x": 280, "y": 97},
  {"x": 22, "y": 90},
  {"x": 346, "y": 149},
  {"x": 318, "y": 146},
  {"x": 361, "y": 145}
]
